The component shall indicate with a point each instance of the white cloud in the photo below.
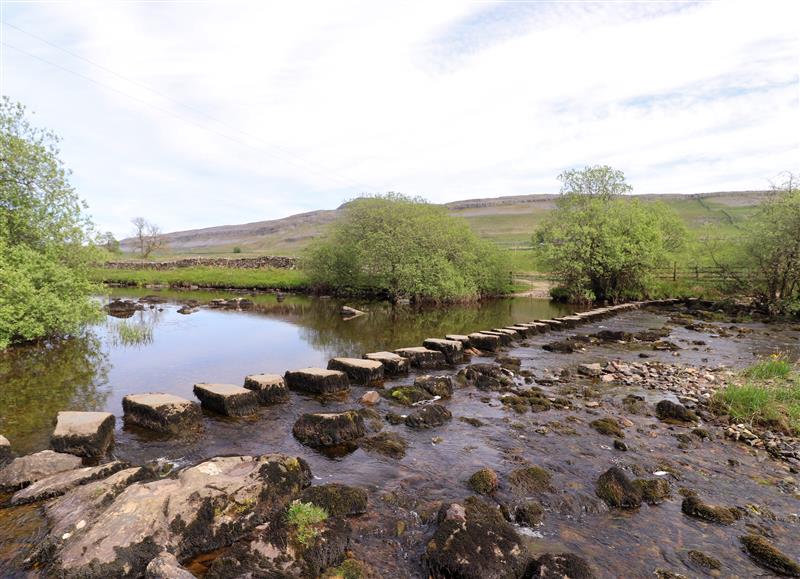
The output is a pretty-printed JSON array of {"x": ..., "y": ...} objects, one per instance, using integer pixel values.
[{"x": 320, "y": 101}]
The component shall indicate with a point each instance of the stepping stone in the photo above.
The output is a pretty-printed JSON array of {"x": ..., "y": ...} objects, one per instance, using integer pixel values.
[
  {"x": 459, "y": 338},
  {"x": 361, "y": 371},
  {"x": 523, "y": 331},
  {"x": 329, "y": 428},
  {"x": 453, "y": 350},
  {"x": 270, "y": 387},
  {"x": 489, "y": 342},
  {"x": 421, "y": 357},
  {"x": 162, "y": 412},
  {"x": 569, "y": 321},
  {"x": 317, "y": 381},
  {"x": 536, "y": 327},
  {"x": 554, "y": 324},
  {"x": 227, "y": 399},
  {"x": 60, "y": 483},
  {"x": 6, "y": 453},
  {"x": 505, "y": 339},
  {"x": 30, "y": 468},
  {"x": 83, "y": 433},
  {"x": 392, "y": 363}
]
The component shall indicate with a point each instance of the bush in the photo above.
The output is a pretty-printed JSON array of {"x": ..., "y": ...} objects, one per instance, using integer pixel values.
[
  {"x": 600, "y": 246},
  {"x": 402, "y": 247},
  {"x": 237, "y": 249}
]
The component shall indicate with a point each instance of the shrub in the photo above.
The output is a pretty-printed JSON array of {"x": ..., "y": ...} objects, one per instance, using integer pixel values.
[{"x": 237, "y": 249}]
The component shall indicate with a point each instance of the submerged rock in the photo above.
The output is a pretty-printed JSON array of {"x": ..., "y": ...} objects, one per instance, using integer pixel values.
[
  {"x": 25, "y": 470},
  {"x": 616, "y": 489},
  {"x": 83, "y": 433},
  {"x": 162, "y": 413},
  {"x": 694, "y": 507},
  {"x": 653, "y": 491},
  {"x": 531, "y": 479},
  {"x": 387, "y": 443},
  {"x": 672, "y": 411},
  {"x": 428, "y": 416},
  {"x": 483, "y": 481},
  {"x": 329, "y": 429},
  {"x": 766, "y": 555},
  {"x": 271, "y": 388},
  {"x": 474, "y": 542},
  {"x": 337, "y": 499},
  {"x": 608, "y": 426},
  {"x": 559, "y": 566}
]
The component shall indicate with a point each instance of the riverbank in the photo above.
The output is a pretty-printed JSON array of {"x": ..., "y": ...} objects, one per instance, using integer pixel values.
[{"x": 206, "y": 277}]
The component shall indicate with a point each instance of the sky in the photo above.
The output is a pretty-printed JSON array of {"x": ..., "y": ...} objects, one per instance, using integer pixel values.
[{"x": 202, "y": 113}]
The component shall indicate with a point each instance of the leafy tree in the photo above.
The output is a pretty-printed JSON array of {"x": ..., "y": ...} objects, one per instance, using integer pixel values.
[
  {"x": 45, "y": 244},
  {"x": 108, "y": 242},
  {"x": 600, "y": 245},
  {"x": 403, "y": 247},
  {"x": 147, "y": 236},
  {"x": 766, "y": 264}
]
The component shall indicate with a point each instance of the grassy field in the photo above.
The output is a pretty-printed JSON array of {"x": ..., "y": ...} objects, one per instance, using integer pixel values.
[{"x": 209, "y": 277}]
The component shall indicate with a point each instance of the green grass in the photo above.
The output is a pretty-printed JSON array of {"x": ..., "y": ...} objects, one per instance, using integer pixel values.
[
  {"x": 206, "y": 277},
  {"x": 305, "y": 518},
  {"x": 766, "y": 394},
  {"x": 127, "y": 334}
]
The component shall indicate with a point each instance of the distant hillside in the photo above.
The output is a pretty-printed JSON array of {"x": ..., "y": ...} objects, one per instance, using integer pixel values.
[{"x": 506, "y": 220}]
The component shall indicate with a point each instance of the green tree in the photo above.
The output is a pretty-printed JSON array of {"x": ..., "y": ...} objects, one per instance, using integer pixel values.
[
  {"x": 45, "y": 243},
  {"x": 766, "y": 264},
  {"x": 599, "y": 245},
  {"x": 403, "y": 247}
]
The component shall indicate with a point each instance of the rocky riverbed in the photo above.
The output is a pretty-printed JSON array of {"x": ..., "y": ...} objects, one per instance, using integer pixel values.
[{"x": 586, "y": 451}]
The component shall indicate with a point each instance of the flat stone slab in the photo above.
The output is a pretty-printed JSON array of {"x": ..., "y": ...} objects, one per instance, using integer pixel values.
[
  {"x": 506, "y": 331},
  {"x": 26, "y": 470},
  {"x": 489, "y": 342},
  {"x": 393, "y": 364},
  {"x": 521, "y": 330},
  {"x": 317, "y": 381},
  {"x": 227, "y": 399},
  {"x": 83, "y": 433},
  {"x": 58, "y": 484},
  {"x": 329, "y": 428},
  {"x": 453, "y": 350},
  {"x": 361, "y": 371},
  {"x": 421, "y": 357},
  {"x": 459, "y": 338},
  {"x": 271, "y": 388},
  {"x": 505, "y": 339},
  {"x": 554, "y": 324},
  {"x": 162, "y": 412},
  {"x": 537, "y": 327}
]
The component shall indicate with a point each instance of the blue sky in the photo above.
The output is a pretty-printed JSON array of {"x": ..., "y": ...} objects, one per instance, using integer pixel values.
[{"x": 201, "y": 113}]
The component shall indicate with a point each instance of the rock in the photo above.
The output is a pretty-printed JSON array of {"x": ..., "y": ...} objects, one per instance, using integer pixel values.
[
  {"x": 421, "y": 357},
  {"x": 6, "y": 454},
  {"x": 694, "y": 507},
  {"x": 360, "y": 371},
  {"x": 162, "y": 412},
  {"x": 408, "y": 395},
  {"x": 634, "y": 404},
  {"x": 60, "y": 483},
  {"x": 459, "y": 338},
  {"x": 123, "y": 308},
  {"x": 337, "y": 499},
  {"x": 617, "y": 490},
  {"x": 478, "y": 544},
  {"x": 186, "y": 310},
  {"x": 488, "y": 342},
  {"x": 428, "y": 416},
  {"x": 619, "y": 445},
  {"x": 613, "y": 336},
  {"x": 476, "y": 422},
  {"x": 203, "y": 508},
  {"x": 529, "y": 514},
  {"x": 166, "y": 566},
  {"x": 317, "y": 381},
  {"x": 271, "y": 388},
  {"x": 453, "y": 350},
  {"x": 370, "y": 397},
  {"x": 227, "y": 399},
  {"x": 653, "y": 491},
  {"x": 441, "y": 386},
  {"x": 504, "y": 336},
  {"x": 704, "y": 561},
  {"x": 608, "y": 426},
  {"x": 509, "y": 362},
  {"x": 25, "y": 470},
  {"x": 530, "y": 479},
  {"x": 389, "y": 444},
  {"x": 483, "y": 481},
  {"x": 563, "y": 346},
  {"x": 671, "y": 411},
  {"x": 329, "y": 429},
  {"x": 392, "y": 363},
  {"x": 592, "y": 370},
  {"x": 485, "y": 377},
  {"x": 559, "y": 566},
  {"x": 348, "y": 312},
  {"x": 766, "y": 555}
]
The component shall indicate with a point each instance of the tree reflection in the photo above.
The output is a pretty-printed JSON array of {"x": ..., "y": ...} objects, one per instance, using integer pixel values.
[{"x": 40, "y": 380}]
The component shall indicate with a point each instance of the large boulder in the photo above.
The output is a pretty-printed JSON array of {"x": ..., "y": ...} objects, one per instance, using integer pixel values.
[
  {"x": 161, "y": 412},
  {"x": 473, "y": 541},
  {"x": 25, "y": 470},
  {"x": 83, "y": 433},
  {"x": 271, "y": 388},
  {"x": 329, "y": 428},
  {"x": 227, "y": 399},
  {"x": 317, "y": 381},
  {"x": 62, "y": 482},
  {"x": 201, "y": 508},
  {"x": 361, "y": 371}
]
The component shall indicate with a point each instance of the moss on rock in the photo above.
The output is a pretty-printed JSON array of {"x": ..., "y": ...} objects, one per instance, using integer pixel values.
[
  {"x": 766, "y": 555},
  {"x": 484, "y": 481},
  {"x": 614, "y": 487},
  {"x": 608, "y": 426},
  {"x": 532, "y": 479},
  {"x": 653, "y": 491},
  {"x": 694, "y": 507}
]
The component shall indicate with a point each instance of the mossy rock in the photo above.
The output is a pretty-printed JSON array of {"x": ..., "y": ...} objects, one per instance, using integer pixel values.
[
  {"x": 532, "y": 479},
  {"x": 517, "y": 403},
  {"x": 673, "y": 412},
  {"x": 529, "y": 514},
  {"x": 389, "y": 444},
  {"x": 472, "y": 421},
  {"x": 408, "y": 395},
  {"x": 766, "y": 555},
  {"x": 616, "y": 489},
  {"x": 559, "y": 566},
  {"x": 653, "y": 491},
  {"x": 608, "y": 426},
  {"x": 349, "y": 569},
  {"x": 694, "y": 507},
  {"x": 337, "y": 499},
  {"x": 441, "y": 386},
  {"x": 704, "y": 561},
  {"x": 428, "y": 416},
  {"x": 484, "y": 481},
  {"x": 634, "y": 404}
]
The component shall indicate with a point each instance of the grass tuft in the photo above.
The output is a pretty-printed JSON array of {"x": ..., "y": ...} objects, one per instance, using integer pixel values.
[
  {"x": 305, "y": 518},
  {"x": 776, "y": 366},
  {"x": 132, "y": 334}
]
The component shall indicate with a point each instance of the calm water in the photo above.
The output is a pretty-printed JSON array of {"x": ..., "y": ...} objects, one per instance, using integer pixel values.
[{"x": 94, "y": 371}]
